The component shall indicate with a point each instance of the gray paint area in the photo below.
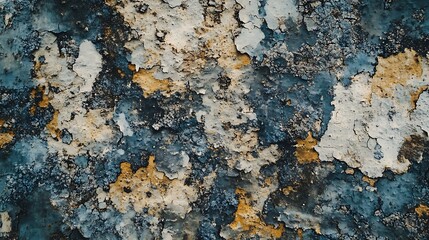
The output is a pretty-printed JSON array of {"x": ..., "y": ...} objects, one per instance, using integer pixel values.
[{"x": 196, "y": 119}]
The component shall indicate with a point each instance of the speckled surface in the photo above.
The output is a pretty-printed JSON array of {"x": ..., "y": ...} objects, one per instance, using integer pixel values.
[{"x": 198, "y": 119}]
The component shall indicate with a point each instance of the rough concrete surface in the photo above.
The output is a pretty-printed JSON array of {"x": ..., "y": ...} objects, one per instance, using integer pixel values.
[{"x": 214, "y": 119}]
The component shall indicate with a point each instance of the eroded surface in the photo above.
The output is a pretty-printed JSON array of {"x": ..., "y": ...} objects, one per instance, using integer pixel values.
[{"x": 196, "y": 119}]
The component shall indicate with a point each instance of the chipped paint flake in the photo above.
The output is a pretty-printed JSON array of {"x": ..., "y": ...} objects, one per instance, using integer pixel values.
[
  {"x": 305, "y": 152},
  {"x": 396, "y": 70},
  {"x": 151, "y": 189},
  {"x": 277, "y": 12},
  {"x": 5, "y": 223},
  {"x": 247, "y": 221},
  {"x": 149, "y": 84},
  {"x": 367, "y": 129},
  {"x": 422, "y": 210},
  {"x": 88, "y": 64},
  {"x": 123, "y": 124},
  {"x": 6, "y": 138}
]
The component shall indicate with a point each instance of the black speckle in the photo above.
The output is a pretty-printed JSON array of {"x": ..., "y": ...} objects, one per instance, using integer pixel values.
[{"x": 127, "y": 189}]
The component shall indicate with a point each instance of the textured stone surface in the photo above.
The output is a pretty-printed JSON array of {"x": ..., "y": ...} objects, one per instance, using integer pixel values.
[{"x": 197, "y": 119}]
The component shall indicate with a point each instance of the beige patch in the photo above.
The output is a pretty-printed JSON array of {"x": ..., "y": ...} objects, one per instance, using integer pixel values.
[
  {"x": 395, "y": 69},
  {"x": 6, "y": 223}
]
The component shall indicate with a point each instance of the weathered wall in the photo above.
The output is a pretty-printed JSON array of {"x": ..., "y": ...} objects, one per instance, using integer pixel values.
[{"x": 197, "y": 119}]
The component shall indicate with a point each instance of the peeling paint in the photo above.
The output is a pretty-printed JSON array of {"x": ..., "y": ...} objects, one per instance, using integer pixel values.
[
  {"x": 150, "y": 84},
  {"x": 211, "y": 119},
  {"x": 305, "y": 152},
  {"x": 396, "y": 70},
  {"x": 6, "y": 138},
  {"x": 422, "y": 210},
  {"x": 247, "y": 221},
  {"x": 370, "y": 129},
  {"x": 6, "y": 225}
]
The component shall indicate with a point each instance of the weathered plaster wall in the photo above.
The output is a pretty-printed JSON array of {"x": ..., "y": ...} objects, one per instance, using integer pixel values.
[{"x": 197, "y": 119}]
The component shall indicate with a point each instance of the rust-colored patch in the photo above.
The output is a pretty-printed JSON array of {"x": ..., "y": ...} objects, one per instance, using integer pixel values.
[
  {"x": 150, "y": 173},
  {"x": 128, "y": 184},
  {"x": 121, "y": 73},
  {"x": 416, "y": 95},
  {"x": 247, "y": 219},
  {"x": 305, "y": 152},
  {"x": 300, "y": 233},
  {"x": 44, "y": 101},
  {"x": 37, "y": 66},
  {"x": 288, "y": 190},
  {"x": 132, "y": 67},
  {"x": 370, "y": 181},
  {"x": 52, "y": 126},
  {"x": 147, "y": 188},
  {"x": 145, "y": 79},
  {"x": 412, "y": 149},
  {"x": 6, "y": 138},
  {"x": 242, "y": 60},
  {"x": 32, "y": 110},
  {"x": 421, "y": 210},
  {"x": 394, "y": 70}
]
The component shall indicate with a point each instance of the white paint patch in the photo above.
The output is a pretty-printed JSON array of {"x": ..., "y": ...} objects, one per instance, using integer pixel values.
[
  {"x": 367, "y": 131},
  {"x": 6, "y": 223},
  {"x": 248, "y": 40},
  {"x": 277, "y": 11},
  {"x": 421, "y": 114},
  {"x": 137, "y": 57},
  {"x": 123, "y": 124},
  {"x": 250, "y": 12},
  {"x": 251, "y": 35},
  {"x": 174, "y": 3},
  {"x": 88, "y": 128},
  {"x": 88, "y": 64}
]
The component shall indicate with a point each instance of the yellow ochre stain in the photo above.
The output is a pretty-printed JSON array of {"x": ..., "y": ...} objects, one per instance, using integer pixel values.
[
  {"x": 300, "y": 233},
  {"x": 370, "y": 181},
  {"x": 305, "y": 152},
  {"x": 6, "y": 138},
  {"x": 288, "y": 190},
  {"x": 394, "y": 70},
  {"x": 147, "y": 188},
  {"x": 52, "y": 126},
  {"x": 415, "y": 96},
  {"x": 149, "y": 174},
  {"x": 243, "y": 60},
  {"x": 247, "y": 219},
  {"x": 44, "y": 101},
  {"x": 421, "y": 210},
  {"x": 149, "y": 84}
]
